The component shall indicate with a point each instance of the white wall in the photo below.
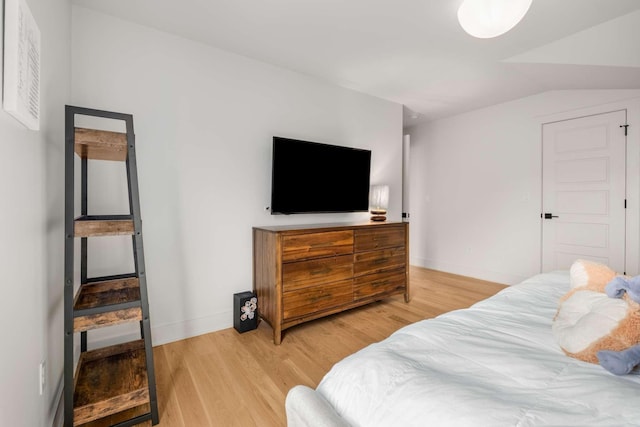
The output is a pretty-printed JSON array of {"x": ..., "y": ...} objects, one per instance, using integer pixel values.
[
  {"x": 204, "y": 120},
  {"x": 476, "y": 183},
  {"x": 31, "y": 237}
]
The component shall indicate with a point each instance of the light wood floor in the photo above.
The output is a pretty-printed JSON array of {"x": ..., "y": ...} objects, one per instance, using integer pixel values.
[{"x": 227, "y": 379}]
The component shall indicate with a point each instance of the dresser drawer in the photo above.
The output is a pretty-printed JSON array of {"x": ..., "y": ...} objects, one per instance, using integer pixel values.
[
  {"x": 317, "y": 298},
  {"x": 379, "y": 284},
  {"x": 302, "y": 274},
  {"x": 377, "y": 261},
  {"x": 379, "y": 237},
  {"x": 315, "y": 245}
]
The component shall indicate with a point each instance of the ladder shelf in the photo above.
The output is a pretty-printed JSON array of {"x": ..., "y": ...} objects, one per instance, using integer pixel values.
[{"x": 107, "y": 381}]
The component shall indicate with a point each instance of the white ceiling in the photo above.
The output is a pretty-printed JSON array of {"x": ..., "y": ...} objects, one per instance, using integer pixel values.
[{"x": 414, "y": 52}]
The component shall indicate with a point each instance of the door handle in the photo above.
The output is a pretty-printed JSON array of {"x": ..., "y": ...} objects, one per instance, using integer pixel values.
[{"x": 549, "y": 216}]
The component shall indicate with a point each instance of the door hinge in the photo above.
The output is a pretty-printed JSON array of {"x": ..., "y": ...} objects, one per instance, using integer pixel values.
[
  {"x": 626, "y": 127},
  {"x": 625, "y": 203}
]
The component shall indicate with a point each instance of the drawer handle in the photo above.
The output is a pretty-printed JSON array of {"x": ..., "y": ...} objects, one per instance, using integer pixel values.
[
  {"x": 379, "y": 283},
  {"x": 319, "y": 298},
  {"x": 321, "y": 245},
  {"x": 325, "y": 270}
]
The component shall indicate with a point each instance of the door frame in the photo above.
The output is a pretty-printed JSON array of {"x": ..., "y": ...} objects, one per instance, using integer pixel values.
[
  {"x": 632, "y": 213},
  {"x": 406, "y": 177}
]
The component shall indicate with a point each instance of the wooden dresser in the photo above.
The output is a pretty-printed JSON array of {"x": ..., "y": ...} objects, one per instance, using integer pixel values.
[{"x": 305, "y": 272}]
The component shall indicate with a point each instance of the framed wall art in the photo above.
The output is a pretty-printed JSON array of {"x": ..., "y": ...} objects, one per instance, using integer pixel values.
[{"x": 21, "y": 64}]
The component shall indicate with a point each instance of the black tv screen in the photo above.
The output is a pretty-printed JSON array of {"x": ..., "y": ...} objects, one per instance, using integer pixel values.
[{"x": 309, "y": 177}]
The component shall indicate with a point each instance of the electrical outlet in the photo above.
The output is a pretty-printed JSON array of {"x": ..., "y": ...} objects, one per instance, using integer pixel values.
[{"x": 43, "y": 376}]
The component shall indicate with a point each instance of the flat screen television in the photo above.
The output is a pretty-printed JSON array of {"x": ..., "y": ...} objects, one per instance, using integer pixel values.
[{"x": 309, "y": 177}]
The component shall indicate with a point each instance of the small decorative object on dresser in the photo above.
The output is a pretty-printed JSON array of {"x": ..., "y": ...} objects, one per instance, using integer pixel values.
[
  {"x": 305, "y": 272},
  {"x": 245, "y": 311},
  {"x": 379, "y": 202}
]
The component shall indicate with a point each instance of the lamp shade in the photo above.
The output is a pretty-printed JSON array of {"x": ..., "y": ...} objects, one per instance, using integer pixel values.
[{"x": 490, "y": 18}]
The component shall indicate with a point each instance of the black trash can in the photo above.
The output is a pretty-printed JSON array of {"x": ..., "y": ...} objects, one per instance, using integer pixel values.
[{"x": 245, "y": 311}]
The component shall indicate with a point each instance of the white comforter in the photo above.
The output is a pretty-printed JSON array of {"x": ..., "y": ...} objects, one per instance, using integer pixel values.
[{"x": 495, "y": 364}]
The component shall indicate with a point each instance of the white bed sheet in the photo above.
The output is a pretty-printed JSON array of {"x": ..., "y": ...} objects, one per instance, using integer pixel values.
[{"x": 494, "y": 364}]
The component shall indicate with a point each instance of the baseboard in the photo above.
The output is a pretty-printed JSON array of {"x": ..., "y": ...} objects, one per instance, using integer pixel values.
[
  {"x": 470, "y": 271},
  {"x": 57, "y": 407},
  {"x": 170, "y": 332}
]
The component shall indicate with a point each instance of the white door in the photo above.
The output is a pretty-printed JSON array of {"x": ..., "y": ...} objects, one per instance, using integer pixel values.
[{"x": 583, "y": 191}]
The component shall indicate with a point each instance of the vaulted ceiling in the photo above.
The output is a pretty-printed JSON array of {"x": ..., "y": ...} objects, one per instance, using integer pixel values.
[{"x": 414, "y": 52}]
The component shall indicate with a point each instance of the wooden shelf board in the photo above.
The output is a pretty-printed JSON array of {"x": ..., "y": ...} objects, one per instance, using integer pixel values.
[
  {"x": 100, "y": 144},
  {"x": 110, "y": 380},
  {"x": 104, "y": 294},
  {"x": 123, "y": 416},
  {"x": 95, "y": 226},
  {"x": 108, "y": 292},
  {"x": 95, "y": 321}
]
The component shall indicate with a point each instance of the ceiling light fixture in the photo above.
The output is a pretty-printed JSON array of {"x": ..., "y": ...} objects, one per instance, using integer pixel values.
[{"x": 490, "y": 18}]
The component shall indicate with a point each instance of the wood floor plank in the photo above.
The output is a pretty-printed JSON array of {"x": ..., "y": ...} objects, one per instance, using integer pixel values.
[
  {"x": 228, "y": 379},
  {"x": 168, "y": 406},
  {"x": 252, "y": 390},
  {"x": 180, "y": 360}
]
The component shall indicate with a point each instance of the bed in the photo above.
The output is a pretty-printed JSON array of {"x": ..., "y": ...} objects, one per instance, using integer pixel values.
[{"x": 493, "y": 364}]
